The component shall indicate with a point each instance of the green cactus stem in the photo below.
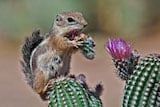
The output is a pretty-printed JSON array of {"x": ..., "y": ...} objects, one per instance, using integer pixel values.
[
  {"x": 68, "y": 92},
  {"x": 143, "y": 88}
]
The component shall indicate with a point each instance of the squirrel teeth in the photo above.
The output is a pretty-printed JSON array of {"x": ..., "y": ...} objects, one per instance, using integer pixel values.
[
  {"x": 75, "y": 35},
  {"x": 72, "y": 37}
]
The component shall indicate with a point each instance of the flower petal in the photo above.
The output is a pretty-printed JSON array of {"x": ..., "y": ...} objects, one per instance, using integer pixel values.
[{"x": 118, "y": 48}]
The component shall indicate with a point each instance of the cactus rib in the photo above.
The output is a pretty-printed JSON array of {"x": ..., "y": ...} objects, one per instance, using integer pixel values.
[
  {"x": 68, "y": 92},
  {"x": 142, "y": 88}
]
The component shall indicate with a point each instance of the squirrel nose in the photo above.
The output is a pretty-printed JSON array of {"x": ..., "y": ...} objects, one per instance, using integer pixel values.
[{"x": 85, "y": 24}]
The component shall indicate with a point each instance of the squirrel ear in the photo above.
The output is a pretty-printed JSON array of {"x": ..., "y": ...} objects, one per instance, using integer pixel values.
[{"x": 79, "y": 13}]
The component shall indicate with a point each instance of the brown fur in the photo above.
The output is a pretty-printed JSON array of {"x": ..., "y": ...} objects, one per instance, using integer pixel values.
[
  {"x": 61, "y": 45},
  {"x": 55, "y": 41}
]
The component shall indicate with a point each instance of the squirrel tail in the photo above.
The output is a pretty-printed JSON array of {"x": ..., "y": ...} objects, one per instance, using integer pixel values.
[{"x": 29, "y": 45}]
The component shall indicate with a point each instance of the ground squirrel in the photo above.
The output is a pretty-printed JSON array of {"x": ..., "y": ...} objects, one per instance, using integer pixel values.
[{"x": 48, "y": 57}]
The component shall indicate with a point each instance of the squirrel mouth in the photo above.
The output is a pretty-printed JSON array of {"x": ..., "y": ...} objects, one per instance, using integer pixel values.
[{"x": 73, "y": 35}]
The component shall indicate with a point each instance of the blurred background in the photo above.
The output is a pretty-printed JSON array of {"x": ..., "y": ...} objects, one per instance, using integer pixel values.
[{"x": 137, "y": 21}]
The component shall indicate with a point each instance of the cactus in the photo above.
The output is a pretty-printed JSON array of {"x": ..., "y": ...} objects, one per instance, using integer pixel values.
[
  {"x": 142, "y": 78},
  {"x": 142, "y": 89},
  {"x": 123, "y": 58},
  {"x": 88, "y": 47},
  {"x": 67, "y": 92},
  {"x": 125, "y": 67}
]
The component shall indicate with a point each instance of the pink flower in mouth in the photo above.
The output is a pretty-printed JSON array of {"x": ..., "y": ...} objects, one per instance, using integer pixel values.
[{"x": 118, "y": 48}]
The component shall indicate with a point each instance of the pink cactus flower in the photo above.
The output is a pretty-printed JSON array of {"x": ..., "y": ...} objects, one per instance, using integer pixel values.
[{"x": 118, "y": 48}]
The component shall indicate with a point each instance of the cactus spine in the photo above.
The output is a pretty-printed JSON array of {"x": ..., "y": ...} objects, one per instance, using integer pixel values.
[{"x": 142, "y": 89}]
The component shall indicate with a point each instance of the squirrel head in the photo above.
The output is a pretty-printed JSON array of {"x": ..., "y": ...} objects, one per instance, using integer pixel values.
[{"x": 69, "y": 24}]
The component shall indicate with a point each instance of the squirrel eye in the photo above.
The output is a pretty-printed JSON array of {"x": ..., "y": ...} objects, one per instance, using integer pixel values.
[{"x": 70, "y": 19}]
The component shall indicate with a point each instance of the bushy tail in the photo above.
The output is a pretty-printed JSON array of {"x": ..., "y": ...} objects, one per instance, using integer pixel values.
[{"x": 29, "y": 45}]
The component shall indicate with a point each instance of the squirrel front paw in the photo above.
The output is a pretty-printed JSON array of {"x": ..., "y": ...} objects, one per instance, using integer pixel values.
[{"x": 76, "y": 44}]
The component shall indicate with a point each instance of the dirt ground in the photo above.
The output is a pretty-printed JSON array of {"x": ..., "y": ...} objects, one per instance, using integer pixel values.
[{"x": 14, "y": 92}]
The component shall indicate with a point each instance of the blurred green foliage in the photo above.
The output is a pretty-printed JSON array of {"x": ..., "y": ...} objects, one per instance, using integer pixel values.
[
  {"x": 19, "y": 18},
  {"x": 122, "y": 17}
]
